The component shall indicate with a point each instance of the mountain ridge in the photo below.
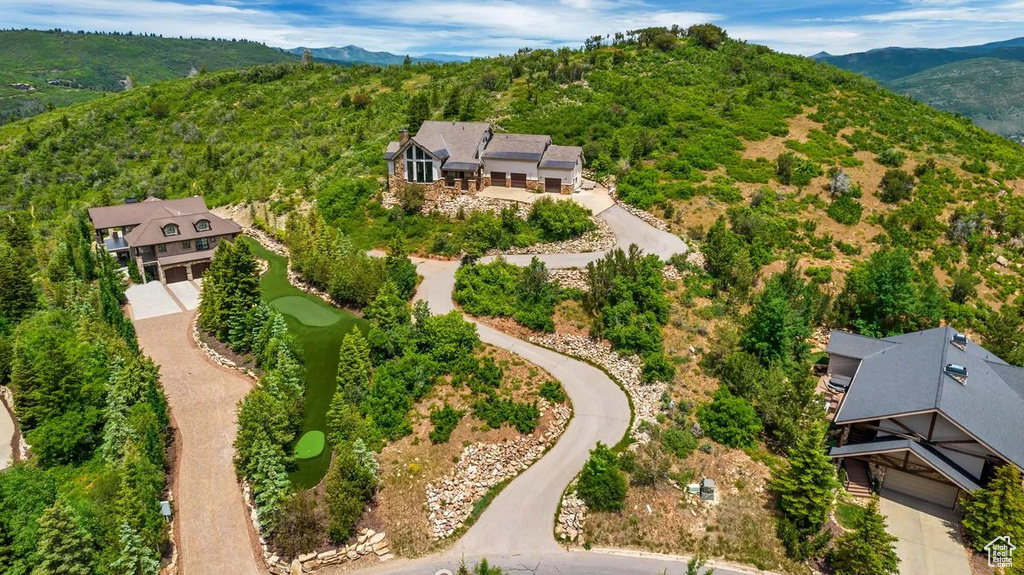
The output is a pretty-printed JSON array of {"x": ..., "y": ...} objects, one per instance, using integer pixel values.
[{"x": 353, "y": 55}]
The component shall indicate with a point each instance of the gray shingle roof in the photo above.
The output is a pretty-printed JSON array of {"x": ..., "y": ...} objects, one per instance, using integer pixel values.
[
  {"x": 392, "y": 149},
  {"x": 517, "y": 147},
  {"x": 908, "y": 375},
  {"x": 151, "y": 231},
  {"x": 854, "y": 345},
  {"x": 461, "y": 141},
  {"x": 134, "y": 214},
  {"x": 937, "y": 460},
  {"x": 452, "y": 164},
  {"x": 561, "y": 157}
]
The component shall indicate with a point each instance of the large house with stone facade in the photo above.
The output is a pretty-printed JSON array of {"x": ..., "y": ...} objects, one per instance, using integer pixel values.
[
  {"x": 467, "y": 157},
  {"x": 930, "y": 414},
  {"x": 169, "y": 240}
]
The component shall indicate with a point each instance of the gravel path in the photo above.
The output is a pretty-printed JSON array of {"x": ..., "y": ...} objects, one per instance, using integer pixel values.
[{"x": 211, "y": 517}]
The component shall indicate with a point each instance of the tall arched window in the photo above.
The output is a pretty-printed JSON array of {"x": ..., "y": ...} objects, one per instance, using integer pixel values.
[{"x": 419, "y": 167}]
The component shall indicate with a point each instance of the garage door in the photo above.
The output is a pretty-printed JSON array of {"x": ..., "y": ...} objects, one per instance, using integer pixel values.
[
  {"x": 518, "y": 180},
  {"x": 498, "y": 179},
  {"x": 199, "y": 269},
  {"x": 553, "y": 185},
  {"x": 173, "y": 275},
  {"x": 942, "y": 494}
]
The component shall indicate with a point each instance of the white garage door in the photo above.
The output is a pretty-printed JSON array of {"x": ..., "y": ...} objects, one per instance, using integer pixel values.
[{"x": 942, "y": 494}]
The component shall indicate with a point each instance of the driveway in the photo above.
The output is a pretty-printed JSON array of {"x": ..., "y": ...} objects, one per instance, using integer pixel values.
[
  {"x": 211, "y": 516},
  {"x": 155, "y": 299},
  {"x": 596, "y": 199},
  {"x": 6, "y": 437},
  {"x": 929, "y": 538}
]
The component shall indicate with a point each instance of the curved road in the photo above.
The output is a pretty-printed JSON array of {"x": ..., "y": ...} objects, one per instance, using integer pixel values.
[{"x": 517, "y": 527}]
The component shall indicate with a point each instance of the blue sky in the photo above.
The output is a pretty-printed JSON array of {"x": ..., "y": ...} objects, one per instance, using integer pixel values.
[{"x": 483, "y": 27}]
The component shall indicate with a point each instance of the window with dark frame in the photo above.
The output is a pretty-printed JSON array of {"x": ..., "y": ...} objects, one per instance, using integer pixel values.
[
  {"x": 161, "y": 247},
  {"x": 203, "y": 244},
  {"x": 171, "y": 230},
  {"x": 203, "y": 226},
  {"x": 419, "y": 166},
  {"x": 186, "y": 244}
]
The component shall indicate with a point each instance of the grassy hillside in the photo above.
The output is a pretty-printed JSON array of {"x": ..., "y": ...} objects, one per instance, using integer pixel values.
[
  {"x": 980, "y": 82},
  {"x": 90, "y": 64},
  {"x": 692, "y": 132},
  {"x": 987, "y": 90}
]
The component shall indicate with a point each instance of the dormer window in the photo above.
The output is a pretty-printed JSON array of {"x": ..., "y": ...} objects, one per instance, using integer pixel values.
[
  {"x": 171, "y": 230},
  {"x": 203, "y": 226}
]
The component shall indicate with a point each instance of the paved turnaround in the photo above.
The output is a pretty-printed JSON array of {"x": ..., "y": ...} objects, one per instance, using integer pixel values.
[{"x": 211, "y": 516}]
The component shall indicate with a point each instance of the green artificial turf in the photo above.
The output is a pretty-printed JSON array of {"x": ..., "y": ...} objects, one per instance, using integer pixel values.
[
  {"x": 310, "y": 445},
  {"x": 847, "y": 513},
  {"x": 320, "y": 345},
  {"x": 305, "y": 311}
]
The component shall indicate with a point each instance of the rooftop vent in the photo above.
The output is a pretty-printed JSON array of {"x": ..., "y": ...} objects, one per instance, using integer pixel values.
[
  {"x": 131, "y": 200},
  {"x": 960, "y": 341},
  {"x": 957, "y": 372}
]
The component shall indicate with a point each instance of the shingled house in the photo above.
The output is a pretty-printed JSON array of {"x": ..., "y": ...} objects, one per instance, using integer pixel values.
[
  {"x": 930, "y": 413},
  {"x": 169, "y": 240},
  {"x": 469, "y": 156}
]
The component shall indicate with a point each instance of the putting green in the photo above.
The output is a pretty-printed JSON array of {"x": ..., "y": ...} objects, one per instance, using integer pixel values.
[
  {"x": 310, "y": 445},
  {"x": 307, "y": 312}
]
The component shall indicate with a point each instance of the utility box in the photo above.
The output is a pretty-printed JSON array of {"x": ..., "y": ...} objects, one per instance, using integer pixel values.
[
  {"x": 693, "y": 488},
  {"x": 707, "y": 489}
]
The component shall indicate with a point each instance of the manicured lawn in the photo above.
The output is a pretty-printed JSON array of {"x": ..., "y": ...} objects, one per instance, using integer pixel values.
[
  {"x": 319, "y": 327},
  {"x": 310, "y": 445},
  {"x": 847, "y": 513}
]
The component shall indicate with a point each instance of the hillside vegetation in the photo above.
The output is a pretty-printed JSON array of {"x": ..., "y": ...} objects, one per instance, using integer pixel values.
[
  {"x": 694, "y": 127},
  {"x": 86, "y": 65},
  {"x": 980, "y": 82}
]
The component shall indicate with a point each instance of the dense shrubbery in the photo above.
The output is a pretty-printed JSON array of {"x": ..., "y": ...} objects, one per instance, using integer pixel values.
[
  {"x": 445, "y": 419},
  {"x": 502, "y": 289},
  {"x": 560, "y": 220},
  {"x": 627, "y": 300},
  {"x": 90, "y": 404},
  {"x": 896, "y": 186},
  {"x": 497, "y": 411},
  {"x": 730, "y": 420},
  {"x": 601, "y": 484},
  {"x": 997, "y": 510}
]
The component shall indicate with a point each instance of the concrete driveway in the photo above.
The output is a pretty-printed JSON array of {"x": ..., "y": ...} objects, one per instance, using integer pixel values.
[
  {"x": 155, "y": 299},
  {"x": 596, "y": 199},
  {"x": 6, "y": 437},
  {"x": 929, "y": 536}
]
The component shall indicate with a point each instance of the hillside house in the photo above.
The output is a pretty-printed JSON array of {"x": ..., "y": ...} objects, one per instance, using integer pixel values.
[
  {"x": 467, "y": 157},
  {"x": 931, "y": 413},
  {"x": 169, "y": 240}
]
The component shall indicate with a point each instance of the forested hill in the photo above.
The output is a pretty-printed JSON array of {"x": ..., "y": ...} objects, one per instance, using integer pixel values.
[
  {"x": 693, "y": 124},
  {"x": 66, "y": 67}
]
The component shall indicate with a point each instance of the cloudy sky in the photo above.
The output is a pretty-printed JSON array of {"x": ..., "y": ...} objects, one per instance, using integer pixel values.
[{"x": 482, "y": 27}]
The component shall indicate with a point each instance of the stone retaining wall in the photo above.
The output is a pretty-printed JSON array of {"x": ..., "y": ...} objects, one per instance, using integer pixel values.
[
  {"x": 626, "y": 369},
  {"x": 216, "y": 356},
  {"x": 572, "y": 517},
  {"x": 368, "y": 542},
  {"x": 482, "y": 466}
]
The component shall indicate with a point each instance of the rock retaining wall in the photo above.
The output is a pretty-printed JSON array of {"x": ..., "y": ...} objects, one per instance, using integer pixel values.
[
  {"x": 368, "y": 542},
  {"x": 623, "y": 368},
  {"x": 571, "y": 517},
  {"x": 598, "y": 240},
  {"x": 481, "y": 466}
]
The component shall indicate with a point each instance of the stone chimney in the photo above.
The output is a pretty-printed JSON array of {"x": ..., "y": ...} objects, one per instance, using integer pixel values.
[{"x": 403, "y": 136}]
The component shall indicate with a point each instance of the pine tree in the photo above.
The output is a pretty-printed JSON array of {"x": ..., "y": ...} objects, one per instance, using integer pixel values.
[
  {"x": 135, "y": 558},
  {"x": 996, "y": 510},
  {"x": 270, "y": 483},
  {"x": 806, "y": 487},
  {"x": 354, "y": 370},
  {"x": 64, "y": 547},
  {"x": 18, "y": 295},
  {"x": 868, "y": 549}
]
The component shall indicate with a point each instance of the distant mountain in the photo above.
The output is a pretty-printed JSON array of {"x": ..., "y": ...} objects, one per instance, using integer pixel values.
[
  {"x": 982, "y": 82},
  {"x": 355, "y": 55},
  {"x": 39, "y": 69}
]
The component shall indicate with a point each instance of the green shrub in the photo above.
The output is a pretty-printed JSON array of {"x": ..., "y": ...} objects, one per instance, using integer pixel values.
[
  {"x": 845, "y": 210},
  {"x": 892, "y": 157},
  {"x": 657, "y": 367},
  {"x": 552, "y": 391},
  {"x": 897, "y": 185},
  {"x": 560, "y": 220},
  {"x": 445, "y": 419},
  {"x": 680, "y": 442},
  {"x": 602, "y": 486},
  {"x": 730, "y": 420},
  {"x": 497, "y": 411}
]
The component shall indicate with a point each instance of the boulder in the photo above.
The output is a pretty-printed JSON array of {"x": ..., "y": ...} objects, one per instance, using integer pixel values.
[{"x": 296, "y": 568}]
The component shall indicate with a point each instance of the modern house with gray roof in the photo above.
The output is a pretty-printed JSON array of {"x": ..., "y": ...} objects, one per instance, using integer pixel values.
[
  {"x": 169, "y": 240},
  {"x": 466, "y": 157},
  {"x": 931, "y": 413}
]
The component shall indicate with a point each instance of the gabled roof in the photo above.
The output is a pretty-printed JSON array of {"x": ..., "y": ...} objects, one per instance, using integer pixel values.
[
  {"x": 561, "y": 157},
  {"x": 517, "y": 147},
  {"x": 460, "y": 141},
  {"x": 906, "y": 374},
  {"x": 151, "y": 231},
  {"x": 134, "y": 214}
]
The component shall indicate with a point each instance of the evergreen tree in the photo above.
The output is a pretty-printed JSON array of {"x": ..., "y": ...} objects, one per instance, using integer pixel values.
[
  {"x": 135, "y": 558},
  {"x": 350, "y": 486},
  {"x": 868, "y": 549},
  {"x": 602, "y": 486},
  {"x": 18, "y": 295},
  {"x": 270, "y": 484},
  {"x": 354, "y": 369},
  {"x": 805, "y": 488},
  {"x": 996, "y": 510},
  {"x": 388, "y": 310},
  {"x": 419, "y": 111},
  {"x": 400, "y": 270},
  {"x": 728, "y": 260},
  {"x": 64, "y": 547}
]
